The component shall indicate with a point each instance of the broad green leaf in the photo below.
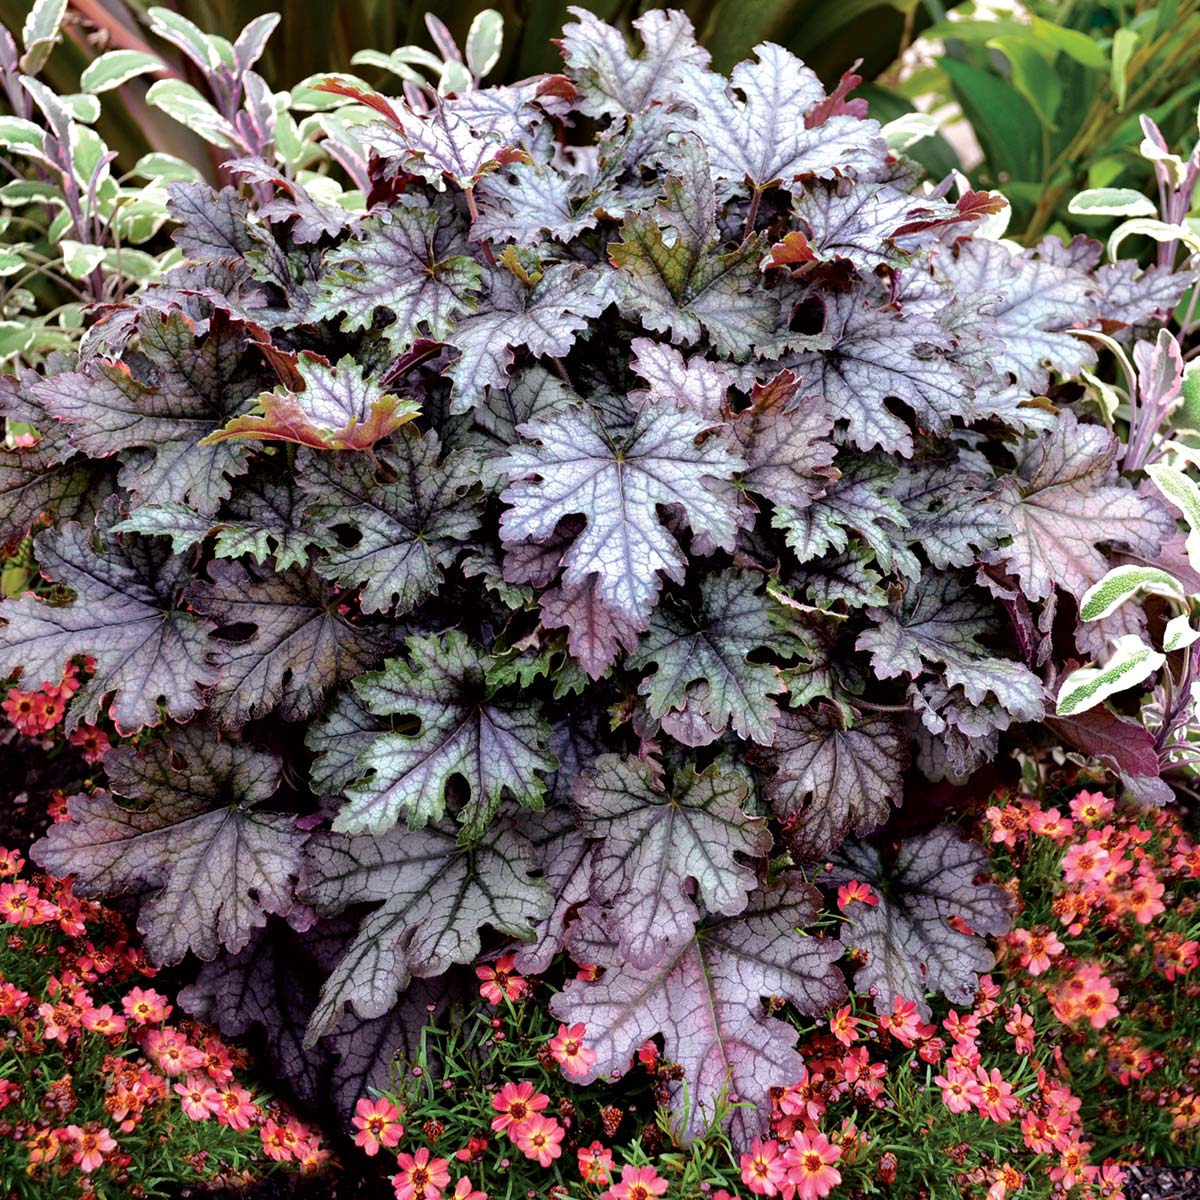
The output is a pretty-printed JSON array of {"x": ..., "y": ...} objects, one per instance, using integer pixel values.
[
  {"x": 1179, "y": 634},
  {"x": 41, "y": 32},
  {"x": 1190, "y": 388},
  {"x": 484, "y": 40},
  {"x": 1182, "y": 491},
  {"x": 116, "y": 67},
  {"x": 25, "y": 137},
  {"x": 907, "y": 130},
  {"x": 1131, "y": 663},
  {"x": 80, "y": 259},
  {"x": 179, "y": 31},
  {"x": 1125, "y": 41},
  {"x": 1032, "y": 76},
  {"x": 166, "y": 168},
  {"x": 183, "y": 102},
  {"x": 1084, "y": 49},
  {"x": 1122, "y": 584},
  {"x": 1112, "y": 202},
  {"x": 1004, "y": 121},
  {"x": 1159, "y": 231}
]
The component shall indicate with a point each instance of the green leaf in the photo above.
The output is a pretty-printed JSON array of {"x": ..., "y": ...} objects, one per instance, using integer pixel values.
[
  {"x": 166, "y": 168},
  {"x": 117, "y": 67},
  {"x": 1191, "y": 393},
  {"x": 183, "y": 102},
  {"x": 179, "y": 31},
  {"x": 1123, "y": 583},
  {"x": 1160, "y": 231},
  {"x": 1112, "y": 202},
  {"x": 41, "y": 33},
  {"x": 26, "y": 137},
  {"x": 1179, "y": 634},
  {"x": 1004, "y": 121},
  {"x": 484, "y": 40},
  {"x": 1124, "y": 43},
  {"x": 1083, "y": 49},
  {"x": 1032, "y": 77},
  {"x": 1132, "y": 663},
  {"x": 79, "y": 258},
  {"x": 1182, "y": 492}
]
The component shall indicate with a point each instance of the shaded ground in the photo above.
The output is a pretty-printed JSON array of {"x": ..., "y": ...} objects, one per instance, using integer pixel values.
[{"x": 1163, "y": 1183}]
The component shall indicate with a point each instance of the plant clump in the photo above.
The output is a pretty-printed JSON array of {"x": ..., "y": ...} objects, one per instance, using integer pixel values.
[{"x": 654, "y": 490}]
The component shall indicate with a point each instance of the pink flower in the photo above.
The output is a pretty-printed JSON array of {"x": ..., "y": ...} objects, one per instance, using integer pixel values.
[
  {"x": 1052, "y": 824},
  {"x": 1145, "y": 898},
  {"x": 904, "y": 1022},
  {"x": 568, "y": 1049},
  {"x": 960, "y": 1092},
  {"x": 997, "y": 1100},
  {"x": 1036, "y": 948},
  {"x": 283, "y": 1142},
  {"x": 198, "y": 1098},
  {"x": 500, "y": 981},
  {"x": 637, "y": 1183},
  {"x": 91, "y": 1145},
  {"x": 378, "y": 1124},
  {"x": 103, "y": 1020},
  {"x": 237, "y": 1109},
  {"x": 1021, "y": 1027},
  {"x": 170, "y": 1051},
  {"x": 1097, "y": 1001},
  {"x": 420, "y": 1177},
  {"x": 764, "y": 1171},
  {"x": 539, "y": 1138},
  {"x": 810, "y": 1160},
  {"x": 855, "y": 892},
  {"x": 1091, "y": 807},
  {"x": 595, "y": 1164},
  {"x": 1085, "y": 862},
  {"x": 464, "y": 1191},
  {"x": 145, "y": 1007},
  {"x": 516, "y": 1102},
  {"x": 843, "y": 1026}
]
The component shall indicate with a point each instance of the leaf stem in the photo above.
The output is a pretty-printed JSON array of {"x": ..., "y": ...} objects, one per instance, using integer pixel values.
[{"x": 474, "y": 211}]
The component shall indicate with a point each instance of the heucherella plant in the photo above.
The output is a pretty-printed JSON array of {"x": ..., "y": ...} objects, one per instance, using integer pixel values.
[
  {"x": 618, "y": 519},
  {"x": 1171, "y": 711}
]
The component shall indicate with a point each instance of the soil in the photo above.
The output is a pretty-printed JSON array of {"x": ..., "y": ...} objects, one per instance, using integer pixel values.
[{"x": 1163, "y": 1183}]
